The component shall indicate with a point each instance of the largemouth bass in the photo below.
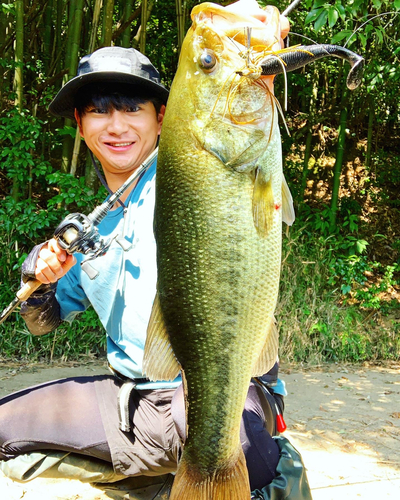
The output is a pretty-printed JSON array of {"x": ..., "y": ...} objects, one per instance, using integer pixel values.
[{"x": 220, "y": 196}]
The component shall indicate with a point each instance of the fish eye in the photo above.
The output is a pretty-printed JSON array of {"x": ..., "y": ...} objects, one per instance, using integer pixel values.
[{"x": 208, "y": 60}]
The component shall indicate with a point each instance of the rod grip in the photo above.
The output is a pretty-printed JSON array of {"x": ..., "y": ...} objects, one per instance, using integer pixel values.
[{"x": 26, "y": 291}]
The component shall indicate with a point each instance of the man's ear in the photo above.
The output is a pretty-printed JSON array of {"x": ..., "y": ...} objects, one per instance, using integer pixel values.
[
  {"x": 160, "y": 118},
  {"x": 78, "y": 121}
]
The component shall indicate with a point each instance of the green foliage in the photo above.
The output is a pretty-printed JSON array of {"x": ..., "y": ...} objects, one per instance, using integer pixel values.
[
  {"x": 347, "y": 264},
  {"x": 19, "y": 139},
  {"x": 69, "y": 342},
  {"x": 30, "y": 221},
  {"x": 331, "y": 281},
  {"x": 322, "y": 12},
  {"x": 386, "y": 174},
  {"x": 314, "y": 324},
  {"x": 344, "y": 240},
  {"x": 73, "y": 190},
  {"x": 23, "y": 220},
  {"x": 8, "y": 8}
]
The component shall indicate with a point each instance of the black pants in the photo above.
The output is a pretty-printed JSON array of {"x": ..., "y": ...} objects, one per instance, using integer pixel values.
[{"x": 66, "y": 415}]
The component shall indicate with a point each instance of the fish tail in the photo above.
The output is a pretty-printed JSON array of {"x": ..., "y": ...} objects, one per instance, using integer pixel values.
[{"x": 228, "y": 483}]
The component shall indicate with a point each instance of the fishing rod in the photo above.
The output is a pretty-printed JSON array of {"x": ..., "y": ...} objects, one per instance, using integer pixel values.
[
  {"x": 290, "y": 7},
  {"x": 78, "y": 233}
]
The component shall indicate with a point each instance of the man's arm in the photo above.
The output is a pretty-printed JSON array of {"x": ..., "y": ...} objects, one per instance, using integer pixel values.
[
  {"x": 41, "y": 311},
  {"x": 47, "y": 263}
]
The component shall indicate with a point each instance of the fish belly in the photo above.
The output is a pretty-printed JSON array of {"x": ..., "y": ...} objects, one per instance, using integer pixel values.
[{"x": 217, "y": 285}]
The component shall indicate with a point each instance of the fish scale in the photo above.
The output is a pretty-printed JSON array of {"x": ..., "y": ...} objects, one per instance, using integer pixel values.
[
  {"x": 220, "y": 201},
  {"x": 218, "y": 254},
  {"x": 211, "y": 309}
]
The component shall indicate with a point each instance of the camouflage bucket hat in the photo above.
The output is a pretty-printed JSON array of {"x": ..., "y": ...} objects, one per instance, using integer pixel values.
[{"x": 109, "y": 64}]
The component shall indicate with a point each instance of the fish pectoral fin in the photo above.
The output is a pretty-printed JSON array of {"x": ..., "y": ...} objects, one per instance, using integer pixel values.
[
  {"x": 269, "y": 352},
  {"x": 159, "y": 361},
  {"x": 263, "y": 204},
  {"x": 288, "y": 214}
]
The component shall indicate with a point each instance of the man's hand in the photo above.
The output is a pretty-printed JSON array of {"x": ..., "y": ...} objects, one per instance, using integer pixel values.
[
  {"x": 53, "y": 263},
  {"x": 285, "y": 28},
  {"x": 251, "y": 8}
]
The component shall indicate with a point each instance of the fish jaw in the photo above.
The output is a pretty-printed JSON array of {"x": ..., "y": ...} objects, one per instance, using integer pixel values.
[
  {"x": 234, "y": 20},
  {"x": 233, "y": 96},
  {"x": 211, "y": 30}
]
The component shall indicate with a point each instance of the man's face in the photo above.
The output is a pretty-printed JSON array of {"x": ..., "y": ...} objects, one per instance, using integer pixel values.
[{"x": 121, "y": 140}]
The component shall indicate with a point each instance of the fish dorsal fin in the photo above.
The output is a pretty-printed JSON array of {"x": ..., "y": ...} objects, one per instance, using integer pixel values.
[
  {"x": 269, "y": 352},
  {"x": 159, "y": 362},
  {"x": 263, "y": 203},
  {"x": 288, "y": 214}
]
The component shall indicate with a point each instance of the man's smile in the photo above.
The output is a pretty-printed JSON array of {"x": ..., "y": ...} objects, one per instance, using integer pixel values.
[{"x": 119, "y": 145}]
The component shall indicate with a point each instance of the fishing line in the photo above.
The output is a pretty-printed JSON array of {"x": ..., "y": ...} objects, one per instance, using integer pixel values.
[
  {"x": 248, "y": 43},
  {"x": 280, "y": 111},
  {"x": 284, "y": 79},
  {"x": 235, "y": 44},
  {"x": 369, "y": 20},
  {"x": 354, "y": 32},
  {"x": 101, "y": 178},
  {"x": 303, "y": 36}
]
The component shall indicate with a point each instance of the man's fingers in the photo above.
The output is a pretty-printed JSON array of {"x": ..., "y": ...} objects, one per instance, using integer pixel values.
[
  {"x": 52, "y": 266},
  {"x": 61, "y": 254},
  {"x": 45, "y": 274},
  {"x": 285, "y": 26},
  {"x": 71, "y": 261}
]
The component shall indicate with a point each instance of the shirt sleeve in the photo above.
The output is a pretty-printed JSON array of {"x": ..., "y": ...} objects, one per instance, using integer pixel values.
[{"x": 70, "y": 295}]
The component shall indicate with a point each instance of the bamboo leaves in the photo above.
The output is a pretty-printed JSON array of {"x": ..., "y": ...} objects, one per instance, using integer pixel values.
[{"x": 322, "y": 12}]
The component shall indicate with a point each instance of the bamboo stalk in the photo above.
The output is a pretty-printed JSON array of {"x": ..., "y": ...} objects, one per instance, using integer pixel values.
[
  {"x": 76, "y": 17},
  {"x": 338, "y": 167},
  {"x": 18, "y": 75},
  {"x": 126, "y": 34},
  {"x": 307, "y": 153},
  {"x": 19, "y": 53},
  {"x": 90, "y": 174},
  {"x": 371, "y": 116},
  {"x": 95, "y": 24},
  {"x": 179, "y": 22},
  {"x": 143, "y": 23},
  {"x": 107, "y": 23}
]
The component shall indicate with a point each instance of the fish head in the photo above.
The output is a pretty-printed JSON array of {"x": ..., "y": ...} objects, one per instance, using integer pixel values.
[{"x": 223, "y": 95}]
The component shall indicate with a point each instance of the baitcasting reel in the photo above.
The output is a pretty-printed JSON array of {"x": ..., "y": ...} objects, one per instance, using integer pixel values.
[{"x": 78, "y": 233}]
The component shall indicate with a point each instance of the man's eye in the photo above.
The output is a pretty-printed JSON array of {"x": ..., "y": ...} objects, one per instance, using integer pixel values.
[
  {"x": 133, "y": 109},
  {"x": 98, "y": 111}
]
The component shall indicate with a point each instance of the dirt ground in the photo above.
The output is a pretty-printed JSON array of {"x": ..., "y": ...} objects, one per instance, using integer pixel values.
[{"x": 345, "y": 421}]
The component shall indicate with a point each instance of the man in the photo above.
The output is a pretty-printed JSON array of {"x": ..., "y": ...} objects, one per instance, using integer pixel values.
[{"x": 122, "y": 419}]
